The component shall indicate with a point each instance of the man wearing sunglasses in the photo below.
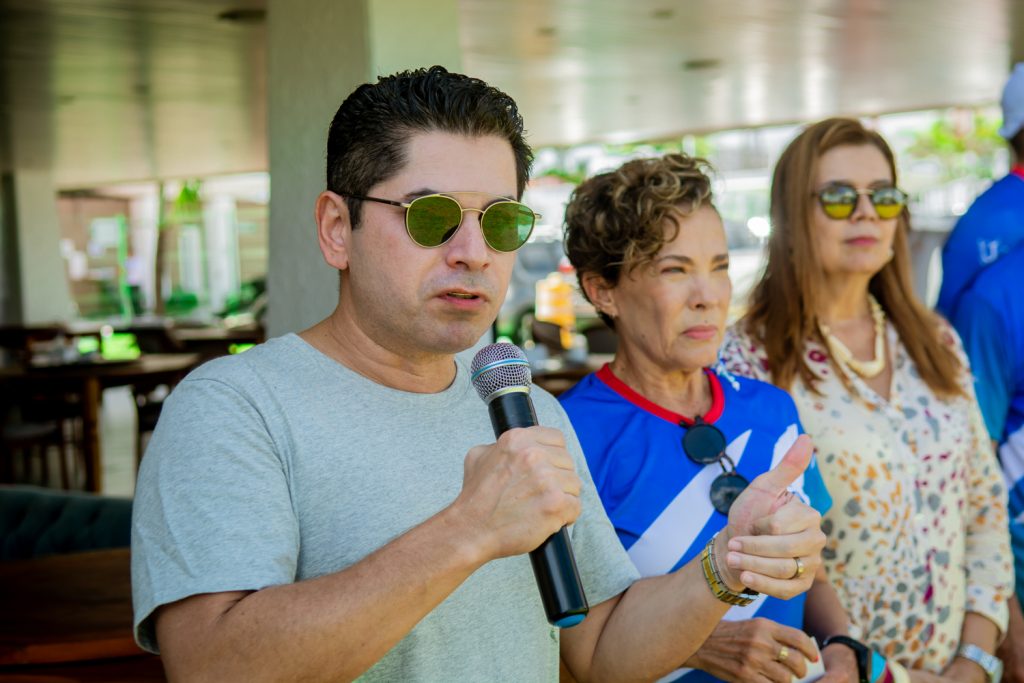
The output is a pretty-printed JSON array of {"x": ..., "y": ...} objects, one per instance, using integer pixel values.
[{"x": 332, "y": 504}]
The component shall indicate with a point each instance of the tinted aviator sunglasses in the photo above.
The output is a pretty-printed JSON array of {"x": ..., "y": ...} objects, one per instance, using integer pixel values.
[
  {"x": 704, "y": 444},
  {"x": 433, "y": 219},
  {"x": 838, "y": 200}
]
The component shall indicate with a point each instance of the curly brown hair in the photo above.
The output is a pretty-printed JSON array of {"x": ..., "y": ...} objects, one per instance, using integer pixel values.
[{"x": 616, "y": 220}]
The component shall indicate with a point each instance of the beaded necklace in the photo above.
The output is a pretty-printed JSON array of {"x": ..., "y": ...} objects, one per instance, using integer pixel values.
[{"x": 865, "y": 368}]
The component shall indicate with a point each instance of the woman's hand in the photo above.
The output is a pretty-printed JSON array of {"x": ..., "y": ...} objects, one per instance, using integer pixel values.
[
  {"x": 962, "y": 670},
  {"x": 774, "y": 540},
  {"x": 919, "y": 676},
  {"x": 754, "y": 650},
  {"x": 840, "y": 665},
  {"x": 959, "y": 671},
  {"x": 1012, "y": 649}
]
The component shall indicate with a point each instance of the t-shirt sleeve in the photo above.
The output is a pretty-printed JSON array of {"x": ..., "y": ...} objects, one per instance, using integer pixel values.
[
  {"x": 605, "y": 568},
  {"x": 212, "y": 508},
  {"x": 984, "y": 336}
]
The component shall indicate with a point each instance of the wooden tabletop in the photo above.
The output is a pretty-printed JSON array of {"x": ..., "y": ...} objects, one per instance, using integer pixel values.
[
  {"x": 110, "y": 373},
  {"x": 66, "y": 608}
]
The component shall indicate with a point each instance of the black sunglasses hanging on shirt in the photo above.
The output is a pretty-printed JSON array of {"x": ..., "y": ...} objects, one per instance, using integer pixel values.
[{"x": 704, "y": 444}]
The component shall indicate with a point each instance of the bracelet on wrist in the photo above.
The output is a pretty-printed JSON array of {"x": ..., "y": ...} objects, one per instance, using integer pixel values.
[{"x": 718, "y": 587}]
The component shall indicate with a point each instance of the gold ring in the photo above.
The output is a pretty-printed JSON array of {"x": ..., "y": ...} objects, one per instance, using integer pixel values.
[
  {"x": 783, "y": 654},
  {"x": 799, "y": 569}
]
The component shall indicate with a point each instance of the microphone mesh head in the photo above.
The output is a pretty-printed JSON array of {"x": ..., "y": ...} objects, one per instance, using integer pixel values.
[{"x": 499, "y": 366}]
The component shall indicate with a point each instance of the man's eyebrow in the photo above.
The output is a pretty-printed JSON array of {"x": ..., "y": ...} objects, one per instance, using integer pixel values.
[{"x": 424, "y": 191}]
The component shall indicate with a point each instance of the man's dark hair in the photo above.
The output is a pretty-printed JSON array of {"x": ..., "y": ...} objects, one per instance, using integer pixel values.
[{"x": 369, "y": 135}]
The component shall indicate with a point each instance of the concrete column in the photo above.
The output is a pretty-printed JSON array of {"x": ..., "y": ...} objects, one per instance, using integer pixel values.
[
  {"x": 45, "y": 295},
  {"x": 145, "y": 212},
  {"x": 35, "y": 287},
  {"x": 220, "y": 225},
  {"x": 319, "y": 51}
]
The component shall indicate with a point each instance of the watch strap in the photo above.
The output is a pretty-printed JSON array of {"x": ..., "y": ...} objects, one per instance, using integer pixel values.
[
  {"x": 990, "y": 663},
  {"x": 860, "y": 652},
  {"x": 718, "y": 587}
]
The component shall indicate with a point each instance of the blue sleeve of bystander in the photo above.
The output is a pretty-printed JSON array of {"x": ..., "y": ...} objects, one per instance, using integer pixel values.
[{"x": 984, "y": 335}]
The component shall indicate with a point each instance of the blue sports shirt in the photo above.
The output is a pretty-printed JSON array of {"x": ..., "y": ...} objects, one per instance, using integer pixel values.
[
  {"x": 990, "y": 320},
  {"x": 657, "y": 498},
  {"x": 992, "y": 227}
]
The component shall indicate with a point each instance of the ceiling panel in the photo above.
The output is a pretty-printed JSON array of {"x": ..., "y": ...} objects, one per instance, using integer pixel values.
[
  {"x": 113, "y": 90},
  {"x": 603, "y": 69},
  {"x": 134, "y": 89}
]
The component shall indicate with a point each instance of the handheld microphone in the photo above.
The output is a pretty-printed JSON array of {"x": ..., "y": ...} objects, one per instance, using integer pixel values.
[{"x": 501, "y": 376}]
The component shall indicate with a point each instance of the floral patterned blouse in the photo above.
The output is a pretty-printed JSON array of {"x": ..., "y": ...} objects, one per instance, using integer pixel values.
[{"x": 917, "y": 533}]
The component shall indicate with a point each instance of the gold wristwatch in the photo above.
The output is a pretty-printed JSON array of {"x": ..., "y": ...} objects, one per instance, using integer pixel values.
[{"x": 715, "y": 583}]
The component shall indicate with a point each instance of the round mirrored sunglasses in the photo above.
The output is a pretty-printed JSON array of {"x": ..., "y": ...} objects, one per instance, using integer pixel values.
[
  {"x": 434, "y": 219},
  {"x": 839, "y": 200}
]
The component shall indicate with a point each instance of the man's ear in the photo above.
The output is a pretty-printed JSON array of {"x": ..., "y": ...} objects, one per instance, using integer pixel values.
[
  {"x": 333, "y": 229},
  {"x": 600, "y": 293}
]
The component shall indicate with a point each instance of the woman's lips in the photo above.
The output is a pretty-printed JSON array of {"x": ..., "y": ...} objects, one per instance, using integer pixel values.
[
  {"x": 701, "y": 332},
  {"x": 862, "y": 241}
]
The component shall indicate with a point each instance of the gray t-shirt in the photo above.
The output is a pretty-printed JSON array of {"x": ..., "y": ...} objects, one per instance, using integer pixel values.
[{"x": 279, "y": 465}]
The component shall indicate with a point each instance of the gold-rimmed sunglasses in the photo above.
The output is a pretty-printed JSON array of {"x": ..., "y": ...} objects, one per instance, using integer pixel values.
[
  {"x": 434, "y": 219},
  {"x": 838, "y": 200}
]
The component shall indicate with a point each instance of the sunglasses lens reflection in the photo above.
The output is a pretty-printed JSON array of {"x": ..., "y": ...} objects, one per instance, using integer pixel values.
[
  {"x": 725, "y": 489},
  {"x": 507, "y": 225},
  {"x": 704, "y": 443},
  {"x": 838, "y": 201},
  {"x": 433, "y": 220},
  {"x": 888, "y": 201}
]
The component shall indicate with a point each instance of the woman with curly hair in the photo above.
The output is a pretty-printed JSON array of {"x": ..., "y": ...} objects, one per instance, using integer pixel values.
[{"x": 670, "y": 441}]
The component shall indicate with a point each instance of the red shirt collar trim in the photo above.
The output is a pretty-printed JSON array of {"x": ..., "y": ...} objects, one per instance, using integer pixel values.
[
  {"x": 606, "y": 375},
  {"x": 1018, "y": 171}
]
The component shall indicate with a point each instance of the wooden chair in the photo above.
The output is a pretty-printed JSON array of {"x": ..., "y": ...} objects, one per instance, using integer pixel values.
[{"x": 35, "y": 426}]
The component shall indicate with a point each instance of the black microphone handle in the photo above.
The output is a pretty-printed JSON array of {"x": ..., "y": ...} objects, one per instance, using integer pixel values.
[{"x": 554, "y": 565}]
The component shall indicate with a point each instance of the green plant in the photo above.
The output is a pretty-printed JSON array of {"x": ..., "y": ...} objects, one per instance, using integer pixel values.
[
  {"x": 964, "y": 150},
  {"x": 188, "y": 207}
]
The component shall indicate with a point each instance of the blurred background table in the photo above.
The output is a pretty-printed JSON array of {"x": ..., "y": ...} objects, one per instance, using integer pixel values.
[
  {"x": 210, "y": 342},
  {"x": 88, "y": 380}
]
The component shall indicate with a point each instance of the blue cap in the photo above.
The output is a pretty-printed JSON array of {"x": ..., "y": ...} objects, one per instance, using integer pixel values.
[{"x": 1013, "y": 103}]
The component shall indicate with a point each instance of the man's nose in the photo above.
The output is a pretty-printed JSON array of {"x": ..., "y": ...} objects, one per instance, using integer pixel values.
[{"x": 467, "y": 246}]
